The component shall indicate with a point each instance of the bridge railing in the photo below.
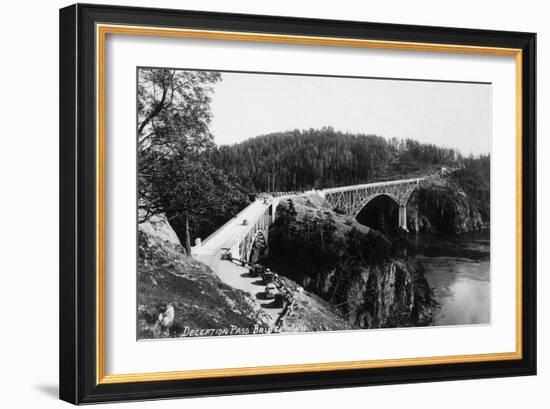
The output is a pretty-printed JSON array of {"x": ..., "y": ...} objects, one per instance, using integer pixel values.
[
  {"x": 238, "y": 239},
  {"x": 291, "y": 193},
  {"x": 246, "y": 241},
  {"x": 370, "y": 185}
]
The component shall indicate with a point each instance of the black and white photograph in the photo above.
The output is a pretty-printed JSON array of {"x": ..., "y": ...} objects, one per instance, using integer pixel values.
[{"x": 273, "y": 203}]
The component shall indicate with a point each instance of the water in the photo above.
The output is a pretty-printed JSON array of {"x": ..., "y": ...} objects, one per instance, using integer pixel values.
[{"x": 458, "y": 268}]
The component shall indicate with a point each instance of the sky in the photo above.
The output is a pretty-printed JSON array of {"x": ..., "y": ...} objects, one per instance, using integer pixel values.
[{"x": 454, "y": 115}]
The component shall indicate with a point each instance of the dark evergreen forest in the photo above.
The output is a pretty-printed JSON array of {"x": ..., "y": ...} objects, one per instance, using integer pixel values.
[{"x": 319, "y": 158}]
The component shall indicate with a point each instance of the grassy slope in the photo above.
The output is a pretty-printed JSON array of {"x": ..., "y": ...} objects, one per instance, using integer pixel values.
[{"x": 199, "y": 298}]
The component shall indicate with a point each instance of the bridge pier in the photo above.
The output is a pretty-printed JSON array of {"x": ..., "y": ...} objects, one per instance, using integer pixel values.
[
  {"x": 274, "y": 205},
  {"x": 403, "y": 217}
]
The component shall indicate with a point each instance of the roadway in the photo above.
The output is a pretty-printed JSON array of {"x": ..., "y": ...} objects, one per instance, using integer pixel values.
[
  {"x": 239, "y": 277},
  {"x": 233, "y": 230}
]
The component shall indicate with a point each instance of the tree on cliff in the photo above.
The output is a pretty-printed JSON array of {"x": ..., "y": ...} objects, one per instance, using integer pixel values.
[
  {"x": 195, "y": 196},
  {"x": 173, "y": 118},
  {"x": 328, "y": 228},
  {"x": 286, "y": 218},
  {"x": 174, "y": 110}
]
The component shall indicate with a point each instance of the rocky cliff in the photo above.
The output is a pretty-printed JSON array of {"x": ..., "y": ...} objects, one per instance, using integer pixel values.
[
  {"x": 354, "y": 268},
  {"x": 311, "y": 313},
  {"x": 441, "y": 205},
  {"x": 189, "y": 290}
]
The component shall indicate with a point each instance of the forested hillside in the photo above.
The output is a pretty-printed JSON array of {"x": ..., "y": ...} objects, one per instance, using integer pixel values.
[
  {"x": 199, "y": 186},
  {"x": 319, "y": 158}
]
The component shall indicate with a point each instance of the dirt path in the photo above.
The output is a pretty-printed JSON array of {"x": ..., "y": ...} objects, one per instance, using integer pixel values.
[{"x": 237, "y": 276}]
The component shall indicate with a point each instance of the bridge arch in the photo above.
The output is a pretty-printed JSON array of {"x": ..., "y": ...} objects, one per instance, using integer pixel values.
[
  {"x": 380, "y": 211},
  {"x": 358, "y": 199},
  {"x": 376, "y": 196}
]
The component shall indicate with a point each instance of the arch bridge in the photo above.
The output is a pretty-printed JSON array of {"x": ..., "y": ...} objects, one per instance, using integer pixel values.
[
  {"x": 351, "y": 200},
  {"x": 249, "y": 228}
]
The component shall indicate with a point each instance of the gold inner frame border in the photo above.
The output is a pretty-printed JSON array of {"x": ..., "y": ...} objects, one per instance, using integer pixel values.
[{"x": 102, "y": 30}]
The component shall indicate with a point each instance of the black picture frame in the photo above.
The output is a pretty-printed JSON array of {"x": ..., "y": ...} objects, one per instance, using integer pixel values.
[{"x": 78, "y": 236}]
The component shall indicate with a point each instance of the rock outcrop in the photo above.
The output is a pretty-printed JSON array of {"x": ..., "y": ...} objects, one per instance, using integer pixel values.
[
  {"x": 440, "y": 205},
  {"x": 311, "y": 313},
  {"x": 358, "y": 270}
]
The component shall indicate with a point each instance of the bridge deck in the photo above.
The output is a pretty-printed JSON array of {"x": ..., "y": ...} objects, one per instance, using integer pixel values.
[
  {"x": 370, "y": 185},
  {"x": 233, "y": 230}
]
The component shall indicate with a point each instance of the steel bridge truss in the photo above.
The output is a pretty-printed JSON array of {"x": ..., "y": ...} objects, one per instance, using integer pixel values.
[{"x": 351, "y": 199}]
